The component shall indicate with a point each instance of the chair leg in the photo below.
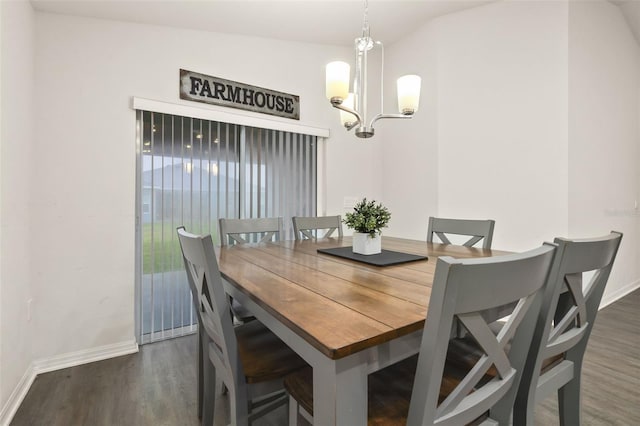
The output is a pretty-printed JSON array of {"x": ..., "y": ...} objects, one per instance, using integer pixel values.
[
  {"x": 208, "y": 394},
  {"x": 525, "y": 403},
  {"x": 200, "y": 372},
  {"x": 239, "y": 408},
  {"x": 293, "y": 411},
  {"x": 569, "y": 403}
]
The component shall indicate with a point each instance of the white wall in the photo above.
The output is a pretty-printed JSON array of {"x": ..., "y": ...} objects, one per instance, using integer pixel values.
[
  {"x": 530, "y": 115},
  {"x": 604, "y": 134},
  {"x": 410, "y": 147},
  {"x": 86, "y": 72},
  {"x": 16, "y": 141},
  {"x": 502, "y": 131},
  {"x": 490, "y": 139}
]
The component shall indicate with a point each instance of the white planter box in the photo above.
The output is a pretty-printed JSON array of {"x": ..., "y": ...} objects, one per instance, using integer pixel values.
[{"x": 366, "y": 244}]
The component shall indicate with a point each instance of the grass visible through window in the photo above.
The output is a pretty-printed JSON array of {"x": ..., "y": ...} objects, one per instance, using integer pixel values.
[{"x": 165, "y": 247}]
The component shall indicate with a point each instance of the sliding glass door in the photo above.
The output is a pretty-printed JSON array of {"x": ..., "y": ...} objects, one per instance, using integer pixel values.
[{"x": 192, "y": 172}]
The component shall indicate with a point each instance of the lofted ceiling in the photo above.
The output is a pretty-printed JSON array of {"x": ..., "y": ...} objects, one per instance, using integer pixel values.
[
  {"x": 335, "y": 22},
  {"x": 631, "y": 11}
]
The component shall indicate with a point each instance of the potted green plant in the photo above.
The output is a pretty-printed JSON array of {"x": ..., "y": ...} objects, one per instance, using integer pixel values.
[{"x": 367, "y": 220}]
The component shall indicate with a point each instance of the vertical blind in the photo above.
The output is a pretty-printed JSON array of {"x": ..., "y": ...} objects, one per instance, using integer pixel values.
[{"x": 191, "y": 172}]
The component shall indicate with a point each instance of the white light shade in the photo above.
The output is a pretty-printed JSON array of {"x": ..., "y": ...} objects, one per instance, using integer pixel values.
[
  {"x": 409, "y": 93},
  {"x": 346, "y": 117},
  {"x": 337, "y": 80}
]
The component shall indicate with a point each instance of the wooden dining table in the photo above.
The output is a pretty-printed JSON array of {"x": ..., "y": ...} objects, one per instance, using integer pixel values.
[{"x": 345, "y": 318}]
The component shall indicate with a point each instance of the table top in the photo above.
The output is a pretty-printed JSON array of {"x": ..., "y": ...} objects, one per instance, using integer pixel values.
[{"x": 338, "y": 306}]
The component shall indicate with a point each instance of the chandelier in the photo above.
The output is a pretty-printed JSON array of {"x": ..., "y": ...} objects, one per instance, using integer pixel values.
[{"x": 353, "y": 105}]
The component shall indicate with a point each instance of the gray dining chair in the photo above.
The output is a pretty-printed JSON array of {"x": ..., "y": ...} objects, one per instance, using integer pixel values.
[
  {"x": 243, "y": 231},
  {"x": 249, "y": 359},
  {"x": 428, "y": 389},
  {"x": 564, "y": 326},
  {"x": 202, "y": 343},
  {"x": 316, "y": 227},
  {"x": 478, "y": 230}
]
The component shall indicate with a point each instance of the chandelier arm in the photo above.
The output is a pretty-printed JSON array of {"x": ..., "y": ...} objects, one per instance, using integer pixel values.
[
  {"x": 380, "y": 116},
  {"x": 379, "y": 43},
  {"x": 350, "y": 111}
]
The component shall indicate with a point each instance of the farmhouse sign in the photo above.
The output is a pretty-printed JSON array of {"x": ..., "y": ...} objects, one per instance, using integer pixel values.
[{"x": 218, "y": 91}]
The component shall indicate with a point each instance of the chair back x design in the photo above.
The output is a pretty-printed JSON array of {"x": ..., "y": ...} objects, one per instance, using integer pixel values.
[
  {"x": 564, "y": 325},
  {"x": 311, "y": 227},
  {"x": 249, "y": 359},
  {"x": 463, "y": 290},
  {"x": 242, "y": 231},
  {"x": 214, "y": 314},
  {"x": 203, "y": 341},
  {"x": 476, "y": 229},
  {"x": 434, "y": 388}
]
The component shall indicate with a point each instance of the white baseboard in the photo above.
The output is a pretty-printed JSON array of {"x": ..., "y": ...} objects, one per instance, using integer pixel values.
[
  {"x": 619, "y": 294},
  {"x": 17, "y": 396},
  {"x": 59, "y": 362},
  {"x": 85, "y": 356}
]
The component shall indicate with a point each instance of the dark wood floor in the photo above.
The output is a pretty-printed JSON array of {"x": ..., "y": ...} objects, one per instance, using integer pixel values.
[
  {"x": 611, "y": 370},
  {"x": 157, "y": 385}
]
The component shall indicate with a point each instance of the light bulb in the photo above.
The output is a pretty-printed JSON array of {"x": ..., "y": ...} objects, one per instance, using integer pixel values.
[
  {"x": 337, "y": 83},
  {"x": 408, "y": 94}
]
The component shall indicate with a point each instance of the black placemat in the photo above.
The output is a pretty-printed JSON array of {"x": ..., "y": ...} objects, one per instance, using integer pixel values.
[{"x": 386, "y": 258}]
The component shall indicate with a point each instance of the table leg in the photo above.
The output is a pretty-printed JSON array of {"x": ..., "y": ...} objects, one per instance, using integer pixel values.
[{"x": 340, "y": 392}]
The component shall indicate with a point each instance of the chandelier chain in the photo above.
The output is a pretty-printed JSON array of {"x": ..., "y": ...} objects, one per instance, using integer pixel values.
[{"x": 366, "y": 32}]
